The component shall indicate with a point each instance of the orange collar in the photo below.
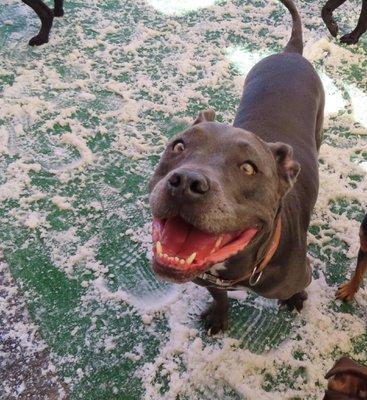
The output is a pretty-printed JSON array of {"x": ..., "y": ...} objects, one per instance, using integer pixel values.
[
  {"x": 255, "y": 276},
  {"x": 268, "y": 255}
]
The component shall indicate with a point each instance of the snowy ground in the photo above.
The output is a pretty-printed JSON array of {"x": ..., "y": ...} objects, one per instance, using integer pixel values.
[{"x": 82, "y": 122}]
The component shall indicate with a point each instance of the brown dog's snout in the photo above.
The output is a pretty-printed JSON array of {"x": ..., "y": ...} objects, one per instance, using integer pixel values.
[{"x": 188, "y": 185}]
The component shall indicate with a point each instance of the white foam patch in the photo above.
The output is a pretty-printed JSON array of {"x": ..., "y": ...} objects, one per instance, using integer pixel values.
[
  {"x": 244, "y": 59},
  {"x": 359, "y": 104},
  {"x": 229, "y": 365},
  {"x": 334, "y": 100},
  {"x": 179, "y": 6}
]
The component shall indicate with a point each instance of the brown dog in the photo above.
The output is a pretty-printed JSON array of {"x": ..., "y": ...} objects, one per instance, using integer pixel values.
[
  {"x": 352, "y": 37},
  {"x": 347, "y": 380},
  {"x": 46, "y": 15},
  {"x": 347, "y": 291}
]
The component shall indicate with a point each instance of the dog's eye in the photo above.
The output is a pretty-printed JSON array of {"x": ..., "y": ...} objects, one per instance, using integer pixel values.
[
  {"x": 248, "y": 168},
  {"x": 178, "y": 146}
]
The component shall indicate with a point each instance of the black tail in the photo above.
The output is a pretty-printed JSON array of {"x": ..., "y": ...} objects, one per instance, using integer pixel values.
[{"x": 295, "y": 44}]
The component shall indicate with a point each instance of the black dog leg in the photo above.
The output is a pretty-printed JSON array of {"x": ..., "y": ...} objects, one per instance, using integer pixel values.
[
  {"x": 46, "y": 16},
  {"x": 295, "y": 302},
  {"x": 58, "y": 10},
  {"x": 327, "y": 15},
  {"x": 353, "y": 37},
  {"x": 215, "y": 317}
]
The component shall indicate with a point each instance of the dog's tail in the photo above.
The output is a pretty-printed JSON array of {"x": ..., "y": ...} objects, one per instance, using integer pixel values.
[{"x": 295, "y": 44}]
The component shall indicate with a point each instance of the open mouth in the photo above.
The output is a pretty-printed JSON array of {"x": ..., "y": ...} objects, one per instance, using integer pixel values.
[{"x": 182, "y": 252}]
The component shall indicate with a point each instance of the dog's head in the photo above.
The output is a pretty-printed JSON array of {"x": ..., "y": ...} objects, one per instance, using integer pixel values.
[
  {"x": 347, "y": 380},
  {"x": 214, "y": 189}
]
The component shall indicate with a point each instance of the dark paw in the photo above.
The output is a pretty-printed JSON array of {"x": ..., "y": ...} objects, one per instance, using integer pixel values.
[
  {"x": 58, "y": 13},
  {"x": 295, "y": 302},
  {"x": 350, "y": 38},
  {"x": 38, "y": 40},
  {"x": 215, "y": 319},
  {"x": 330, "y": 22}
]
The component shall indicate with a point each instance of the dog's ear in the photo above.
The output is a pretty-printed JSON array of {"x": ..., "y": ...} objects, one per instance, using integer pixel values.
[
  {"x": 206, "y": 115},
  {"x": 347, "y": 366},
  {"x": 288, "y": 168},
  {"x": 348, "y": 377}
]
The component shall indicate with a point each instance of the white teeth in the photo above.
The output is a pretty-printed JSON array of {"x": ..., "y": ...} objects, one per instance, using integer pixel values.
[
  {"x": 177, "y": 260},
  {"x": 218, "y": 242},
  {"x": 190, "y": 259}
]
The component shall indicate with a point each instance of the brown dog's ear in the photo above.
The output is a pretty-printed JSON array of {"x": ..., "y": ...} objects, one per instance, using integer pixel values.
[
  {"x": 347, "y": 379},
  {"x": 347, "y": 366},
  {"x": 288, "y": 168},
  {"x": 206, "y": 115}
]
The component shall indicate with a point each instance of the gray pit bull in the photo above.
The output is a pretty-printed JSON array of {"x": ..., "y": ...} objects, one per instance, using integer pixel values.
[{"x": 231, "y": 205}]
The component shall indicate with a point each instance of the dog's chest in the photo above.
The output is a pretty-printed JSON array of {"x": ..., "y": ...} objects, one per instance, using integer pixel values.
[
  {"x": 213, "y": 278},
  {"x": 217, "y": 268}
]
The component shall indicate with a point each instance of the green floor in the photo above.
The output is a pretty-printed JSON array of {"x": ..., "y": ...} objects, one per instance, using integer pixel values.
[{"x": 85, "y": 118}]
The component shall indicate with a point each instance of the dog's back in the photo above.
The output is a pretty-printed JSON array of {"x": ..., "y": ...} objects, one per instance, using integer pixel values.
[{"x": 283, "y": 100}]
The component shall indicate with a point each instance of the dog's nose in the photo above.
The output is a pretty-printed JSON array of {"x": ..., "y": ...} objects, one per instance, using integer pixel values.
[{"x": 188, "y": 184}]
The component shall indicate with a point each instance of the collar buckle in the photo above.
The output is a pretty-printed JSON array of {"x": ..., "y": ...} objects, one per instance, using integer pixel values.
[{"x": 255, "y": 277}]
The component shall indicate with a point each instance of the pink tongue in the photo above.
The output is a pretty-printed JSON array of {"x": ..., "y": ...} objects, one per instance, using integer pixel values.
[{"x": 182, "y": 239}]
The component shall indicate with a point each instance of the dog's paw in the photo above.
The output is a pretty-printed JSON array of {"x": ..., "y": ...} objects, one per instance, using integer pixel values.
[
  {"x": 58, "y": 12},
  {"x": 215, "y": 319},
  {"x": 330, "y": 22},
  {"x": 295, "y": 302},
  {"x": 38, "y": 40},
  {"x": 346, "y": 292},
  {"x": 350, "y": 38}
]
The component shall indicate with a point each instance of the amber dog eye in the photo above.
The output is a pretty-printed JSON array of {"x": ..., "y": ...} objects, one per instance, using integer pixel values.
[
  {"x": 248, "y": 168},
  {"x": 178, "y": 147}
]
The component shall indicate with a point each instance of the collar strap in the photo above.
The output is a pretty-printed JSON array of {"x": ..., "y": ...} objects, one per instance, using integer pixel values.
[{"x": 256, "y": 274}]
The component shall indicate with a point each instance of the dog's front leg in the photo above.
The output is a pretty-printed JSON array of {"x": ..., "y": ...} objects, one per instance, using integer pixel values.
[
  {"x": 58, "y": 9},
  {"x": 295, "y": 302},
  {"x": 353, "y": 37},
  {"x": 46, "y": 16},
  {"x": 347, "y": 291},
  {"x": 327, "y": 15},
  {"x": 215, "y": 317}
]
